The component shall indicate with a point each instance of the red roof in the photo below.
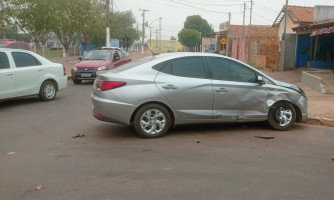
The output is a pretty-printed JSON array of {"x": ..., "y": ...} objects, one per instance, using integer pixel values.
[{"x": 300, "y": 14}]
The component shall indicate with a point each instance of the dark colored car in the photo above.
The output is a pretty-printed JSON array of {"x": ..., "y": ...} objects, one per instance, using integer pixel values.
[
  {"x": 98, "y": 60},
  {"x": 14, "y": 44}
]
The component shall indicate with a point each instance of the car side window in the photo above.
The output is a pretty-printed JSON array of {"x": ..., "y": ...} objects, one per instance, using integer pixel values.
[
  {"x": 4, "y": 62},
  {"x": 229, "y": 70},
  {"x": 192, "y": 67},
  {"x": 24, "y": 59},
  {"x": 116, "y": 56}
]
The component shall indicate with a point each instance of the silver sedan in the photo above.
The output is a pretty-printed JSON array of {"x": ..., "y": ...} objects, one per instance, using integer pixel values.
[{"x": 157, "y": 92}]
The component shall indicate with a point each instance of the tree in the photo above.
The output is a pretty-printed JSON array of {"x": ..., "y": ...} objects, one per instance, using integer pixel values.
[
  {"x": 173, "y": 38},
  {"x": 189, "y": 37},
  {"x": 199, "y": 24}
]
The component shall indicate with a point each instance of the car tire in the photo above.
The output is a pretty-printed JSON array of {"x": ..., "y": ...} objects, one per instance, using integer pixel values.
[
  {"x": 77, "y": 81},
  {"x": 152, "y": 121},
  {"x": 282, "y": 116},
  {"x": 48, "y": 91}
]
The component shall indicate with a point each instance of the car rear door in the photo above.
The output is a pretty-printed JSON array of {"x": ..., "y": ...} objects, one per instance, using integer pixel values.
[
  {"x": 29, "y": 73},
  {"x": 186, "y": 86},
  {"x": 7, "y": 77},
  {"x": 237, "y": 95}
]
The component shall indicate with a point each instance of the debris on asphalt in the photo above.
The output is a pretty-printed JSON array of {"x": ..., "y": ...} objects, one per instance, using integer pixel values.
[
  {"x": 197, "y": 141},
  {"x": 80, "y": 136},
  {"x": 333, "y": 158},
  {"x": 147, "y": 150},
  {"x": 10, "y": 153},
  {"x": 265, "y": 138},
  {"x": 38, "y": 187}
]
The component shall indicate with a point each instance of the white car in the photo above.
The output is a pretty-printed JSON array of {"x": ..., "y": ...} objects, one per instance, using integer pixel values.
[{"x": 25, "y": 73}]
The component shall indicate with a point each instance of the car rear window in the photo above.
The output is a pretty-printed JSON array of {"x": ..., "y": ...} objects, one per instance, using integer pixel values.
[{"x": 133, "y": 64}]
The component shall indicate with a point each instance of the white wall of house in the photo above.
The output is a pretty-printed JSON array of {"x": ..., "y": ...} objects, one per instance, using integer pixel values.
[{"x": 289, "y": 25}]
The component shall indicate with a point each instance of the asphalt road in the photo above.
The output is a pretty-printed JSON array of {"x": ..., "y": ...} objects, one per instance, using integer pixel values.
[{"x": 111, "y": 162}]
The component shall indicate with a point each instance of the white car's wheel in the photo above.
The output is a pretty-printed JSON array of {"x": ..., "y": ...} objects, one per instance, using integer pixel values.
[{"x": 48, "y": 91}]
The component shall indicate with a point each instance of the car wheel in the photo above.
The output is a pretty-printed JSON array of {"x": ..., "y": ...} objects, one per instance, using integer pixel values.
[
  {"x": 77, "y": 81},
  {"x": 152, "y": 121},
  {"x": 282, "y": 116},
  {"x": 48, "y": 91}
]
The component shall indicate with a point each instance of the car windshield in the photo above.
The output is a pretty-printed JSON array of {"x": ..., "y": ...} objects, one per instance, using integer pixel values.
[
  {"x": 98, "y": 55},
  {"x": 2, "y": 45}
]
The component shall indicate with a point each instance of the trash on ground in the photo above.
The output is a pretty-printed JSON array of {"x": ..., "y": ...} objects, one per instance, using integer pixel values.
[
  {"x": 265, "y": 138},
  {"x": 80, "y": 136},
  {"x": 333, "y": 157},
  {"x": 197, "y": 141},
  {"x": 38, "y": 187},
  {"x": 10, "y": 153},
  {"x": 147, "y": 149}
]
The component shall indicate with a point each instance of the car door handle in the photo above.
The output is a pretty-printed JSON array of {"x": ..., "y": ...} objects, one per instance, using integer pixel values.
[
  {"x": 221, "y": 90},
  {"x": 9, "y": 74},
  {"x": 168, "y": 87}
]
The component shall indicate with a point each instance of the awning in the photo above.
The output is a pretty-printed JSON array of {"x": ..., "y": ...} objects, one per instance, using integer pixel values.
[{"x": 323, "y": 31}]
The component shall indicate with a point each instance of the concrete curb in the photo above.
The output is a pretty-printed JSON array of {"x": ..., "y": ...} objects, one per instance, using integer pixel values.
[{"x": 320, "y": 121}]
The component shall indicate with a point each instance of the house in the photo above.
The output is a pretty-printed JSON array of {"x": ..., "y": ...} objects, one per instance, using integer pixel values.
[
  {"x": 256, "y": 45},
  {"x": 315, "y": 42},
  {"x": 208, "y": 44},
  {"x": 296, "y": 16}
]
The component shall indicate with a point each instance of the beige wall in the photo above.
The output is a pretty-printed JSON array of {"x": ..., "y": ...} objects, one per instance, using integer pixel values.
[
  {"x": 166, "y": 46},
  {"x": 289, "y": 25}
]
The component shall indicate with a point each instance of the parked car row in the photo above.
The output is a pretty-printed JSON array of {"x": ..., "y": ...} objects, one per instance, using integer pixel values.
[
  {"x": 14, "y": 44},
  {"x": 160, "y": 91}
]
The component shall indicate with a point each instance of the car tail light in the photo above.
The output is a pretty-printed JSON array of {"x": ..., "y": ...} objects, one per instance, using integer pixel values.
[
  {"x": 109, "y": 85},
  {"x": 64, "y": 70}
]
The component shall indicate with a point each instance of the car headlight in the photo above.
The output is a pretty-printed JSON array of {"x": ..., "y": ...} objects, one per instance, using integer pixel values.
[
  {"x": 75, "y": 68},
  {"x": 102, "y": 68}
]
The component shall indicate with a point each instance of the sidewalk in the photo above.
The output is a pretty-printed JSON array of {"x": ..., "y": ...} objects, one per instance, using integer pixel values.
[{"x": 320, "y": 106}]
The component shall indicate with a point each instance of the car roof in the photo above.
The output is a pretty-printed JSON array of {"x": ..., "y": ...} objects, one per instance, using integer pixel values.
[{"x": 9, "y": 41}]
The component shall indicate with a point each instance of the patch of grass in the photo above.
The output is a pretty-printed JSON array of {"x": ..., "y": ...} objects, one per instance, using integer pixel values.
[{"x": 58, "y": 53}]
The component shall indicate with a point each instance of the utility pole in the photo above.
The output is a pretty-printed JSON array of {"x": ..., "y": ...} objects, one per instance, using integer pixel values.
[
  {"x": 284, "y": 36},
  {"x": 143, "y": 33},
  {"x": 160, "y": 33},
  {"x": 229, "y": 18},
  {"x": 156, "y": 36},
  {"x": 249, "y": 33},
  {"x": 108, "y": 24},
  {"x": 243, "y": 23}
]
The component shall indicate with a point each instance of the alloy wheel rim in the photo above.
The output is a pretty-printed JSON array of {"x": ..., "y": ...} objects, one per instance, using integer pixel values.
[
  {"x": 152, "y": 121},
  {"x": 284, "y": 116},
  {"x": 49, "y": 91}
]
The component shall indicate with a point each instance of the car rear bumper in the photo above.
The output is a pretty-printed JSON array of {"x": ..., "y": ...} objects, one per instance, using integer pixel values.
[
  {"x": 62, "y": 82},
  {"x": 112, "y": 111}
]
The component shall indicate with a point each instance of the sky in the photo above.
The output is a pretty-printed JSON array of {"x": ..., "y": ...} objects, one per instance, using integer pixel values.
[{"x": 175, "y": 12}]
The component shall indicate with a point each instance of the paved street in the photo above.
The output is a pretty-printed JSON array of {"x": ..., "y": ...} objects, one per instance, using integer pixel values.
[{"x": 111, "y": 162}]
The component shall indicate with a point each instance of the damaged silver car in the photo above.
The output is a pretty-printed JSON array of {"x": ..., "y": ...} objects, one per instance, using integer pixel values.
[{"x": 157, "y": 92}]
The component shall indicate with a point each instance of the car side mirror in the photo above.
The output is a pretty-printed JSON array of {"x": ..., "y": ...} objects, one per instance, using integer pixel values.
[
  {"x": 80, "y": 58},
  {"x": 260, "y": 80}
]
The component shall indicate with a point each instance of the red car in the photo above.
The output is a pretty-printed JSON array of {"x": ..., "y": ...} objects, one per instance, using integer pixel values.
[
  {"x": 98, "y": 60},
  {"x": 14, "y": 44}
]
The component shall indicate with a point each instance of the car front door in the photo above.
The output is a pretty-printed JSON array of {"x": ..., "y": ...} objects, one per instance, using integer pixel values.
[
  {"x": 7, "y": 77},
  {"x": 237, "y": 95},
  {"x": 186, "y": 86},
  {"x": 29, "y": 73}
]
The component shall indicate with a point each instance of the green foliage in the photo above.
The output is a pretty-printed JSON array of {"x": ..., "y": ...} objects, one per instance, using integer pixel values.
[
  {"x": 173, "y": 38},
  {"x": 189, "y": 37},
  {"x": 69, "y": 20},
  {"x": 199, "y": 24}
]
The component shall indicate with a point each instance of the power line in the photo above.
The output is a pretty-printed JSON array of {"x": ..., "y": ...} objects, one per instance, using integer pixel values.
[{"x": 198, "y": 7}]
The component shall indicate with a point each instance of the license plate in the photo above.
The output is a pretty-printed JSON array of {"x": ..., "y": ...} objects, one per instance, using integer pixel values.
[{"x": 86, "y": 75}]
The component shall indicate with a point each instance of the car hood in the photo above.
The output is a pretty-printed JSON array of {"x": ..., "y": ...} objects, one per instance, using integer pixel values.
[{"x": 93, "y": 63}]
